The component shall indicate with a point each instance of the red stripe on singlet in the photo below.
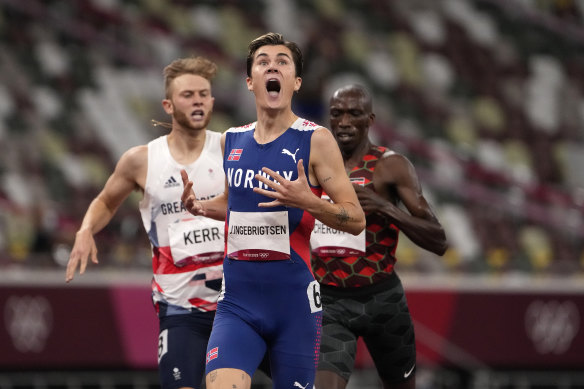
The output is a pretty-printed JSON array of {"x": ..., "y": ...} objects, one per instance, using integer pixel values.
[{"x": 162, "y": 263}]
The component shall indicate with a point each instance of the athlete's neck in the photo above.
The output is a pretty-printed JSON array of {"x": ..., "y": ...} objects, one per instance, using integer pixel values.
[
  {"x": 353, "y": 157},
  {"x": 270, "y": 127},
  {"x": 186, "y": 147}
]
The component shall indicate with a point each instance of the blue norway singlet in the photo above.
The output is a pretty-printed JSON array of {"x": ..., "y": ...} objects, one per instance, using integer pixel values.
[{"x": 270, "y": 300}]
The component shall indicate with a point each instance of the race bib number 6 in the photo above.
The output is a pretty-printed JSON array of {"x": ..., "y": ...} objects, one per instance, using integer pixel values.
[{"x": 313, "y": 293}]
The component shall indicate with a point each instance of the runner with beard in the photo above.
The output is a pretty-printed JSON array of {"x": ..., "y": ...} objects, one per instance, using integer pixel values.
[{"x": 187, "y": 250}]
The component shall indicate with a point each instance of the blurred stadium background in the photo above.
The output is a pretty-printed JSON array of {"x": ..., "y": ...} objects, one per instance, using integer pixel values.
[{"x": 486, "y": 97}]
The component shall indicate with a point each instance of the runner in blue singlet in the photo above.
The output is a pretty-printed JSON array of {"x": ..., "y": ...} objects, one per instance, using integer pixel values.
[{"x": 275, "y": 171}]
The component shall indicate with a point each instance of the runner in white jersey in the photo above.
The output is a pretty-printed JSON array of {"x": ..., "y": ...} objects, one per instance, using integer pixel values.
[{"x": 187, "y": 251}]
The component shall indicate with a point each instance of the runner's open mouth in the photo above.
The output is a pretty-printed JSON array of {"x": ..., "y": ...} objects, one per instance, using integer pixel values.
[{"x": 273, "y": 86}]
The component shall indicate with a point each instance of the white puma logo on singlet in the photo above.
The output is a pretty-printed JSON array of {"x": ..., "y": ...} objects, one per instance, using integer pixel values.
[
  {"x": 286, "y": 151},
  {"x": 296, "y": 383}
]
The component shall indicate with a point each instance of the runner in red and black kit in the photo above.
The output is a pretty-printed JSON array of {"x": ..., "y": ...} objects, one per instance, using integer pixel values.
[{"x": 362, "y": 295}]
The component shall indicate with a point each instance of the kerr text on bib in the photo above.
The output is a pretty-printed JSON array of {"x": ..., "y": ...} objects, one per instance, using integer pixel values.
[{"x": 196, "y": 239}]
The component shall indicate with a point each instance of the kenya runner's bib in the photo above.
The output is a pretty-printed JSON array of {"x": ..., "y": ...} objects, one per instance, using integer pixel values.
[{"x": 329, "y": 242}]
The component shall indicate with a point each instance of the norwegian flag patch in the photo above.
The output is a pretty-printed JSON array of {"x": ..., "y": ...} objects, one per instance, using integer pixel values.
[
  {"x": 235, "y": 154},
  {"x": 212, "y": 354}
]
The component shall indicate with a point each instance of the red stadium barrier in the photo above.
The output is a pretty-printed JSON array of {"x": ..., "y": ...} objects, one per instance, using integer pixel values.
[{"x": 466, "y": 324}]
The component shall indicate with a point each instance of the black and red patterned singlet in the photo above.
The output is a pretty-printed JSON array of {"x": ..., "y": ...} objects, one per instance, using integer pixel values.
[{"x": 381, "y": 242}]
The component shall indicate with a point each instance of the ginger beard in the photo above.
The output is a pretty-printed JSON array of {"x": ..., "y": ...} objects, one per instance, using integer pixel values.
[{"x": 196, "y": 120}]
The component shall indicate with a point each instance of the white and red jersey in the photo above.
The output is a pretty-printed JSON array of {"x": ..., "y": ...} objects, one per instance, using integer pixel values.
[{"x": 187, "y": 250}]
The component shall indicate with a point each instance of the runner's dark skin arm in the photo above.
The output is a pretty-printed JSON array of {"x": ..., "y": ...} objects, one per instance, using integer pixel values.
[{"x": 395, "y": 180}]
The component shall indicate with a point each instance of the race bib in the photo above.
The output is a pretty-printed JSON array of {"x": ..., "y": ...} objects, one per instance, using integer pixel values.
[
  {"x": 162, "y": 344},
  {"x": 329, "y": 242},
  {"x": 258, "y": 236},
  {"x": 314, "y": 298},
  {"x": 197, "y": 239}
]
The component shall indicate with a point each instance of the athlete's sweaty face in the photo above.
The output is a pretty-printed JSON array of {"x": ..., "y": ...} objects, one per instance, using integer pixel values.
[
  {"x": 350, "y": 118},
  {"x": 273, "y": 76},
  {"x": 191, "y": 102}
]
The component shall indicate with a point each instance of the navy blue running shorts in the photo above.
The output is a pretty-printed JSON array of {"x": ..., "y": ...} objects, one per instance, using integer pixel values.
[{"x": 182, "y": 343}]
